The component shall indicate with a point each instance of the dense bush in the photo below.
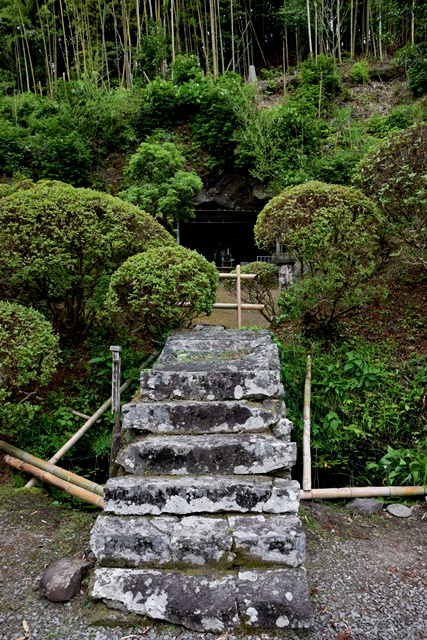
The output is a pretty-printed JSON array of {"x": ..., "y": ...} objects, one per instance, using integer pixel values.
[
  {"x": 333, "y": 233},
  {"x": 159, "y": 184},
  {"x": 61, "y": 244},
  {"x": 395, "y": 175},
  {"x": 364, "y": 399},
  {"x": 28, "y": 359},
  {"x": 161, "y": 289},
  {"x": 277, "y": 144},
  {"x": 413, "y": 57},
  {"x": 360, "y": 71}
]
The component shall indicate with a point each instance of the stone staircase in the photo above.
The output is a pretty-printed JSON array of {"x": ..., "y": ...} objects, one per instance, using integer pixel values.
[{"x": 202, "y": 528}]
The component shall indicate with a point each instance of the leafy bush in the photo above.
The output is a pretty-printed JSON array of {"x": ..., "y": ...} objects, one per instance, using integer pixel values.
[
  {"x": 402, "y": 467},
  {"x": 333, "y": 233},
  {"x": 413, "y": 57},
  {"x": 159, "y": 184},
  {"x": 277, "y": 144},
  {"x": 364, "y": 399},
  {"x": 60, "y": 245},
  {"x": 400, "y": 118},
  {"x": 321, "y": 76},
  {"x": 259, "y": 291},
  {"x": 394, "y": 174},
  {"x": 186, "y": 68},
  {"x": 157, "y": 291},
  {"x": 28, "y": 359},
  {"x": 360, "y": 71}
]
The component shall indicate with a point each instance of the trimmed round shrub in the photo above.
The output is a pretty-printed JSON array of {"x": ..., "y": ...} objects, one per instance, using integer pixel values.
[
  {"x": 154, "y": 292},
  {"x": 60, "y": 245},
  {"x": 394, "y": 175},
  {"x": 333, "y": 232},
  {"x": 28, "y": 347},
  {"x": 28, "y": 359}
]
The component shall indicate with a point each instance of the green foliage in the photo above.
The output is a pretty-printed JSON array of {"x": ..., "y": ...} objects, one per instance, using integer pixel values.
[
  {"x": 360, "y": 72},
  {"x": 333, "y": 233},
  {"x": 364, "y": 399},
  {"x": 277, "y": 144},
  {"x": 4, "y": 189},
  {"x": 259, "y": 291},
  {"x": 413, "y": 57},
  {"x": 400, "y": 118},
  {"x": 154, "y": 292},
  {"x": 186, "y": 68},
  {"x": 402, "y": 467},
  {"x": 61, "y": 244},
  {"x": 320, "y": 75},
  {"x": 159, "y": 184},
  {"x": 153, "y": 52},
  {"x": 394, "y": 174},
  {"x": 28, "y": 359}
]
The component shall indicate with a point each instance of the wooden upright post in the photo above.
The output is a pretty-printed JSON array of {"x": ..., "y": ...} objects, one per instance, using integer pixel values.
[
  {"x": 239, "y": 297},
  {"x": 115, "y": 409}
]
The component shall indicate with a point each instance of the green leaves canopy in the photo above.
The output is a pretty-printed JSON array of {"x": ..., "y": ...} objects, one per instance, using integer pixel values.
[{"x": 160, "y": 185}]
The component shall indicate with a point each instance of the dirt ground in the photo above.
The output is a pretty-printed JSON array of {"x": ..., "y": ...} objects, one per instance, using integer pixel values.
[{"x": 368, "y": 576}]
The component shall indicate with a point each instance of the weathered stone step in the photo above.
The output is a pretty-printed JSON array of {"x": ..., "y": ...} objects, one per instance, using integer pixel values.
[
  {"x": 276, "y": 599},
  {"x": 243, "y": 352},
  {"x": 201, "y": 417},
  {"x": 132, "y": 495},
  {"x": 207, "y": 454},
  {"x": 196, "y": 541},
  {"x": 253, "y": 384}
]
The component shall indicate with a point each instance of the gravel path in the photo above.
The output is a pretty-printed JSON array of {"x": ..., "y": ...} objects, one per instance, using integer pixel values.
[{"x": 368, "y": 576}]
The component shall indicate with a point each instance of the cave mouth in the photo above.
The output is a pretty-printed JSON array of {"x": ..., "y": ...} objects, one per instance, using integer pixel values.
[{"x": 223, "y": 237}]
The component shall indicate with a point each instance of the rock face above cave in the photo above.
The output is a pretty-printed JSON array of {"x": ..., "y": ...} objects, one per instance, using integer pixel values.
[
  {"x": 232, "y": 191},
  {"x": 201, "y": 528}
]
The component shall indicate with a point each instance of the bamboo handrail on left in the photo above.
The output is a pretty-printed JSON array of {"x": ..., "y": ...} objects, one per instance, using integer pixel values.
[
  {"x": 45, "y": 476},
  {"x": 102, "y": 409},
  {"x": 68, "y": 476}
]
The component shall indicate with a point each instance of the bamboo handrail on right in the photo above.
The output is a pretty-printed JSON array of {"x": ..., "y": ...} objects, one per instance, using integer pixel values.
[
  {"x": 306, "y": 454},
  {"x": 361, "y": 492}
]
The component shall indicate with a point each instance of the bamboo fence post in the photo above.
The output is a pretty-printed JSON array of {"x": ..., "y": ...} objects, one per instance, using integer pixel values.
[
  {"x": 115, "y": 409},
  {"x": 102, "y": 409},
  {"x": 239, "y": 297},
  {"x": 306, "y": 456}
]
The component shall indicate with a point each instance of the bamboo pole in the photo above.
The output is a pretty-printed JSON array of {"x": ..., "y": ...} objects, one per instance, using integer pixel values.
[
  {"x": 102, "y": 409},
  {"x": 361, "y": 492},
  {"x": 51, "y": 468},
  {"x": 233, "y": 276},
  {"x": 306, "y": 456},
  {"x": 45, "y": 476},
  {"x": 239, "y": 297},
  {"x": 233, "y": 305}
]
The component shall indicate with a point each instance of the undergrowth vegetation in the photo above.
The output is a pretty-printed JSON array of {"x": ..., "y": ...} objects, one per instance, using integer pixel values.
[{"x": 365, "y": 402}]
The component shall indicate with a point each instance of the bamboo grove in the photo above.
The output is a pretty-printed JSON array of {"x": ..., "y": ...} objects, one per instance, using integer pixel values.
[{"x": 120, "y": 42}]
